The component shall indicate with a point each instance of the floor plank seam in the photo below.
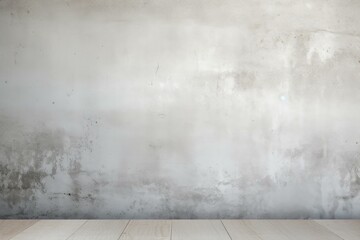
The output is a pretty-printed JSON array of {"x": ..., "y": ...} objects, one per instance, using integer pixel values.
[
  {"x": 171, "y": 223},
  {"x": 226, "y": 229},
  {"x": 24, "y": 229},
  {"x": 122, "y": 232},
  {"x": 76, "y": 230},
  {"x": 328, "y": 229}
]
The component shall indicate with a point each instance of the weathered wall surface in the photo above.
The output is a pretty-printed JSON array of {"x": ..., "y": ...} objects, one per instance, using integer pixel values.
[{"x": 180, "y": 109}]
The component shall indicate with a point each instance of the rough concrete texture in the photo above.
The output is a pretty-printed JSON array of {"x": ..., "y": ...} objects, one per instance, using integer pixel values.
[{"x": 180, "y": 109}]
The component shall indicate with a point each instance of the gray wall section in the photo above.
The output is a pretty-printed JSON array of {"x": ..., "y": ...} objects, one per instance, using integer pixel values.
[{"x": 180, "y": 109}]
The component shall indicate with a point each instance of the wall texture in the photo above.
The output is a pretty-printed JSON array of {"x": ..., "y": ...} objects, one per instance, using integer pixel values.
[{"x": 180, "y": 109}]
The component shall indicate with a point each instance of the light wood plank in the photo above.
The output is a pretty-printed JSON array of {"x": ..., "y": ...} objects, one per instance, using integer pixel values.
[
  {"x": 181, "y": 229},
  {"x": 9, "y": 228},
  {"x": 100, "y": 230},
  {"x": 346, "y": 229},
  {"x": 198, "y": 230},
  {"x": 147, "y": 230},
  {"x": 303, "y": 230},
  {"x": 239, "y": 230},
  {"x": 50, "y": 230}
]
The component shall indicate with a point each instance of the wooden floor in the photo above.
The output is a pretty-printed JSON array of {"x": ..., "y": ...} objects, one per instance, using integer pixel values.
[{"x": 180, "y": 229}]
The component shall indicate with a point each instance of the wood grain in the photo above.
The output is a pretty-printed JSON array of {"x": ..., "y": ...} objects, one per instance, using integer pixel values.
[
  {"x": 303, "y": 230},
  {"x": 147, "y": 230},
  {"x": 239, "y": 229},
  {"x": 10, "y": 228},
  {"x": 198, "y": 230},
  {"x": 50, "y": 230},
  {"x": 346, "y": 229},
  {"x": 266, "y": 230},
  {"x": 100, "y": 230}
]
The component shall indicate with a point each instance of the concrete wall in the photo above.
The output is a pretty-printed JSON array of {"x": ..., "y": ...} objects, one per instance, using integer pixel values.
[{"x": 180, "y": 109}]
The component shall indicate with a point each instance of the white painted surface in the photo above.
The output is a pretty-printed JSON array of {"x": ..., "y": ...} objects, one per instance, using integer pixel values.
[{"x": 180, "y": 109}]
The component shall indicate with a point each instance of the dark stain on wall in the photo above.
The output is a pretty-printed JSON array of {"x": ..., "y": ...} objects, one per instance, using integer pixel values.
[
  {"x": 30, "y": 157},
  {"x": 27, "y": 161}
]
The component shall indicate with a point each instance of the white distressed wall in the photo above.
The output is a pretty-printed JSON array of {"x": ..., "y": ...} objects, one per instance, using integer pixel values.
[{"x": 180, "y": 109}]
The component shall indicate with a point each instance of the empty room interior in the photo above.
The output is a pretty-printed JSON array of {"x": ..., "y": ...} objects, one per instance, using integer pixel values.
[{"x": 179, "y": 120}]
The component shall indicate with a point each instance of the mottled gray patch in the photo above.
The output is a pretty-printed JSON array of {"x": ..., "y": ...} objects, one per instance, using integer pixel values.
[
  {"x": 30, "y": 157},
  {"x": 25, "y": 162}
]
